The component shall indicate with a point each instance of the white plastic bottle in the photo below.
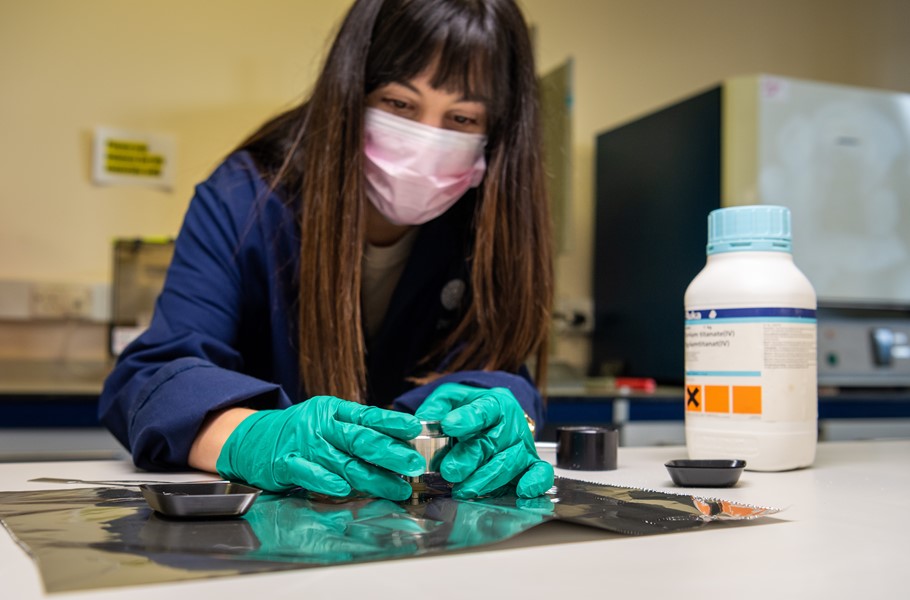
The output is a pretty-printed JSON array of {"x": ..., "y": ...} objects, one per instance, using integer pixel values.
[{"x": 750, "y": 345}]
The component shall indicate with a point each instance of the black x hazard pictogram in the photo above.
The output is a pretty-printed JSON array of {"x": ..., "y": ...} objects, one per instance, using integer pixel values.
[{"x": 692, "y": 397}]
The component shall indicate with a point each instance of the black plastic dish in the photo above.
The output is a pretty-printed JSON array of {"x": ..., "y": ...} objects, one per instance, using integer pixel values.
[
  {"x": 705, "y": 473},
  {"x": 200, "y": 499}
]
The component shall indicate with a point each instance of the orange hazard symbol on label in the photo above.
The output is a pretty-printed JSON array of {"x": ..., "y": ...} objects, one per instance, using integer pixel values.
[
  {"x": 693, "y": 398},
  {"x": 724, "y": 399}
]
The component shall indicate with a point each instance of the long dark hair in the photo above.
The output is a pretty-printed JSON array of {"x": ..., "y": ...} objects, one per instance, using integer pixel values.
[{"x": 314, "y": 154}]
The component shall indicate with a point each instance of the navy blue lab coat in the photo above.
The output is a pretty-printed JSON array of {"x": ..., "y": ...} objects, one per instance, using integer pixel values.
[{"x": 224, "y": 330}]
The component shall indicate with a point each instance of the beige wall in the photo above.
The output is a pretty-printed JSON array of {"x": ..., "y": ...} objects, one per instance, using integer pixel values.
[{"x": 209, "y": 76}]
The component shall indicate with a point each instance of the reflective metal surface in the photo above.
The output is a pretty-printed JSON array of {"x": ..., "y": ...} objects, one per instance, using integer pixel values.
[
  {"x": 103, "y": 537},
  {"x": 433, "y": 445}
]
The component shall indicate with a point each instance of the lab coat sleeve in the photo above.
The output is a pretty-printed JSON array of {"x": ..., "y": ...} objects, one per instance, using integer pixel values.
[
  {"x": 187, "y": 364},
  {"x": 520, "y": 385},
  {"x": 168, "y": 410}
]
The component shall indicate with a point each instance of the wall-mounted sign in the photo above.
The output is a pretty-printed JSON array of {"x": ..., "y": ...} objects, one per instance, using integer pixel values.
[{"x": 133, "y": 158}]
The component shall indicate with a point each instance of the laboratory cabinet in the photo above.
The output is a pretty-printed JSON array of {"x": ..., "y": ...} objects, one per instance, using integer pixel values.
[{"x": 48, "y": 414}]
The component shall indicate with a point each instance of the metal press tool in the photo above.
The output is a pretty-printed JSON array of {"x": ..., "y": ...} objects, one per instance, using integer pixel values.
[{"x": 433, "y": 445}]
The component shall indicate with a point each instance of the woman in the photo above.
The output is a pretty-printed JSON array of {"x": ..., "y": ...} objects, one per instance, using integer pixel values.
[{"x": 383, "y": 246}]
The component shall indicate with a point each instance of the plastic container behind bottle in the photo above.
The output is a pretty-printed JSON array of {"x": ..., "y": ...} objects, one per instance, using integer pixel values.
[{"x": 750, "y": 346}]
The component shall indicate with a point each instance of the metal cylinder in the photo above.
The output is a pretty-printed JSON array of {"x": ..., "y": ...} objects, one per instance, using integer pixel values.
[{"x": 432, "y": 444}]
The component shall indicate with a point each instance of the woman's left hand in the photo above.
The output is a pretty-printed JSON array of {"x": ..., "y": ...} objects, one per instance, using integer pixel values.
[{"x": 495, "y": 445}]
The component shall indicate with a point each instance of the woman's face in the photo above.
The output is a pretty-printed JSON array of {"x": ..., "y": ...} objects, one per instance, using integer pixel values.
[{"x": 419, "y": 101}]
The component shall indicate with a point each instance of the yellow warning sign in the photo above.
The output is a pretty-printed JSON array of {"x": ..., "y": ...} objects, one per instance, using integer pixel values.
[{"x": 133, "y": 158}]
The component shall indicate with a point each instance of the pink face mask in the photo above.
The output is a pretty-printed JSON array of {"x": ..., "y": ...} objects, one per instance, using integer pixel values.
[{"x": 415, "y": 172}]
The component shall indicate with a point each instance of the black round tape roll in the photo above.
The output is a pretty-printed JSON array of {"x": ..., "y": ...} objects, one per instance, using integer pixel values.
[{"x": 586, "y": 448}]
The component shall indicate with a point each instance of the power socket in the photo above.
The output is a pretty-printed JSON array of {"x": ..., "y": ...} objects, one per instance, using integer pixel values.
[
  {"x": 15, "y": 297},
  {"x": 573, "y": 316},
  {"x": 60, "y": 301}
]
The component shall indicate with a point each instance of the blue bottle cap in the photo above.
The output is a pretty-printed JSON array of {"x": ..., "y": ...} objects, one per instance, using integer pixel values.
[{"x": 759, "y": 228}]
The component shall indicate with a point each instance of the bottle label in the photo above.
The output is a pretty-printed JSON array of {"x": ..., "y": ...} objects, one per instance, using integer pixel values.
[{"x": 751, "y": 363}]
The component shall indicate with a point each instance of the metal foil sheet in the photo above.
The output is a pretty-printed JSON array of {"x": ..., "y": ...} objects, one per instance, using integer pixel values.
[{"x": 103, "y": 537}]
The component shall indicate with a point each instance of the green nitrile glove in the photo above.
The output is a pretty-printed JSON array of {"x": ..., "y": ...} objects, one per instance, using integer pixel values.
[
  {"x": 327, "y": 445},
  {"x": 495, "y": 445}
]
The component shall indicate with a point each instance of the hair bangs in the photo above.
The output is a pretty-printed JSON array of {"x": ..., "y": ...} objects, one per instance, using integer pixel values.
[
  {"x": 456, "y": 40},
  {"x": 463, "y": 63}
]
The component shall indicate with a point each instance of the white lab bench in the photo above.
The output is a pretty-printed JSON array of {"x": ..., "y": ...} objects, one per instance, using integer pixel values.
[{"x": 843, "y": 533}]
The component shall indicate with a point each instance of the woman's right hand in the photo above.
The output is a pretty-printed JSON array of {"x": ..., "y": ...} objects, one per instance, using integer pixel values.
[{"x": 326, "y": 445}]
